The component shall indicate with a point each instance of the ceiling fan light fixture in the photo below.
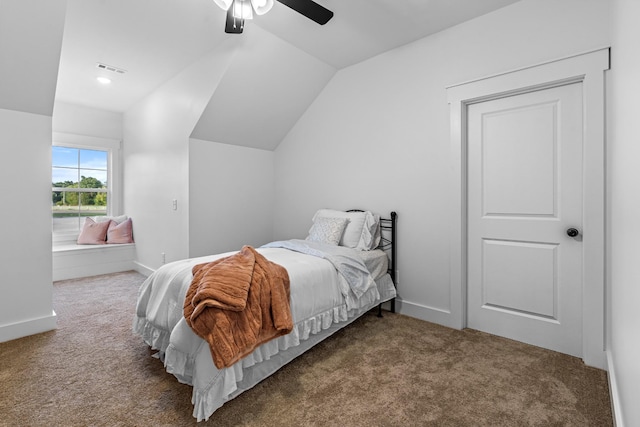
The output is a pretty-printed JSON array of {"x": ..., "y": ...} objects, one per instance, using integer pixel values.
[
  {"x": 242, "y": 9},
  {"x": 239, "y": 10},
  {"x": 262, "y": 6}
]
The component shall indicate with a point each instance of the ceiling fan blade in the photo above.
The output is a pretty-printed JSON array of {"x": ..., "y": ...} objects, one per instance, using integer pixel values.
[
  {"x": 233, "y": 25},
  {"x": 310, "y": 9}
]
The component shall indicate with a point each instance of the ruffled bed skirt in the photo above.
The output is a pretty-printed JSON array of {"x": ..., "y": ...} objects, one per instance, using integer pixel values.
[{"x": 213, "y": 387}]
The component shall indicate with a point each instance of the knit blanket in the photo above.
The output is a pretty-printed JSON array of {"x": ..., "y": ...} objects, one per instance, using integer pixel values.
[{"x": 237, "y": 303}]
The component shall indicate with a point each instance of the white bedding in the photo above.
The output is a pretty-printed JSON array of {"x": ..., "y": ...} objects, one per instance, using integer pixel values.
[{"x": 318, "y": 307}]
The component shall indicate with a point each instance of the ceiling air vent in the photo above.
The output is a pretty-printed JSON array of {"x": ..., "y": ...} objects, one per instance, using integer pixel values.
[{"x": 110, "y": 68}]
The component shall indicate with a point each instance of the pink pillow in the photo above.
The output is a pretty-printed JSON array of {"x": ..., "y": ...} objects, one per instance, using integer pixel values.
[
  {"x": 93, "y": 233},
  {"x": 120, "y": 233}
]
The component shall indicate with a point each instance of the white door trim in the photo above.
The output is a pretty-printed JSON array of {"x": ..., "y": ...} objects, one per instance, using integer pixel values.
[{"x": 587, "y": 68}]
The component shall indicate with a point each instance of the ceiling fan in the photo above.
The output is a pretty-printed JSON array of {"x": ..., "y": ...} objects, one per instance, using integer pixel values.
[{"x": 239, "y": 10}]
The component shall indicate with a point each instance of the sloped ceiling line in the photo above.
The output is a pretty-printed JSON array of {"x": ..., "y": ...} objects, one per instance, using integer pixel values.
[
  {"x": 264, "y": 91},
  {"x": 285, "y": 63},
  {"x": 30, "y": 45}
]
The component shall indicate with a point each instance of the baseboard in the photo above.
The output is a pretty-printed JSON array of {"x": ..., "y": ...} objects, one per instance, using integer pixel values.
[
  {"x": 616, "y": 407},
  {"x": 423, "y": 312},
  {"x": 142, "y": 269},
  {"x": 28, "y": 327}
]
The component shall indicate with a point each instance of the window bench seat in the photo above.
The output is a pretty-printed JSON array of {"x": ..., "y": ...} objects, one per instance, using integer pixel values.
[{"x": 71, "y": 260}]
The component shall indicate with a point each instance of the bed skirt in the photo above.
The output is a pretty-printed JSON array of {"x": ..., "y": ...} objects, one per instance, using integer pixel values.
[{"x": 188, "y": 357}]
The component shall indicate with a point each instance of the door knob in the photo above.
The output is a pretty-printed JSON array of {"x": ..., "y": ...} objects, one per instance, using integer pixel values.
[{"x": 572, "y": 232}]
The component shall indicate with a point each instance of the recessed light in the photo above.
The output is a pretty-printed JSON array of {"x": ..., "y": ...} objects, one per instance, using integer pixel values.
[{"x": 103, "y": 80}]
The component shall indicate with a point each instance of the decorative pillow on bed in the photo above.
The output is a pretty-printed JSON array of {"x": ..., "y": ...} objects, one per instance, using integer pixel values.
[
  {"x": 93, "y": 233},
  {"x": 120, "y": 233},
  {"x": 362, "y": 231},
  {"x": 327, "y": 230}
]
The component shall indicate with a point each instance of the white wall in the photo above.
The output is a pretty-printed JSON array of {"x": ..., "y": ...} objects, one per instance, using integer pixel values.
[
  {"x": 30, "y": 46},
  {"x": 378, "y": 136},
  {"x": 156, "y": 158},
  {"x": 25, "y": 253},
  {"x": 82, "y": 120},
  {"x": 231, "y": 193},
  {"x": 624, "y": 152}
]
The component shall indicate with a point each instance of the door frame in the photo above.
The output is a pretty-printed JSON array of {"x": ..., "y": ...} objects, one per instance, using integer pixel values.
[{"x": 587, "y": 68}]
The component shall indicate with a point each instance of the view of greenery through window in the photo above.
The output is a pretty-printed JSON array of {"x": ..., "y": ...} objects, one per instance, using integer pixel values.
[{"x": 79, "y": 186}]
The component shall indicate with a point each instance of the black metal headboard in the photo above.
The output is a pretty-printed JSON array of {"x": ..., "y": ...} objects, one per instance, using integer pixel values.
[{"x": 388, "y": 242}]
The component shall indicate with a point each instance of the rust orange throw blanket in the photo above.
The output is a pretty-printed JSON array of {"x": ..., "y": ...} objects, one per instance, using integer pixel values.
[{"x": 237, "y": 303}]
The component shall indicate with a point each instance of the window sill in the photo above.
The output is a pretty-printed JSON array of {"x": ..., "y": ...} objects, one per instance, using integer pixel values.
[{"x": 72, "y": 247}]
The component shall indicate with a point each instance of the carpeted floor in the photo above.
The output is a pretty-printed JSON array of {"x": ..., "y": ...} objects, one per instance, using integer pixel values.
[{"x": 394, "y": 371}]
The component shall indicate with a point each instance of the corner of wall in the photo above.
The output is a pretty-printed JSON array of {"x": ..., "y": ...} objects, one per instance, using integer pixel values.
[
  {"x": 614, "y": 393},
  {"x": 28, "y": 327}
]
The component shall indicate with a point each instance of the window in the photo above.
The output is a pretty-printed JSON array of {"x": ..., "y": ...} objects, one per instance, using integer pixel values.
[
  {"x": 79, "y": 186},
  {"x": 85, "y": 182}
]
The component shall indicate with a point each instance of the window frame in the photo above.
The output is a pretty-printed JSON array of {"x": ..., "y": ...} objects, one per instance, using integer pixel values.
[{"x": 114, "y": 181}]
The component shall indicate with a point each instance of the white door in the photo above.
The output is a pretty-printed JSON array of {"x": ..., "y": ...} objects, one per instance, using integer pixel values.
[{"x": 524, "y": 193}]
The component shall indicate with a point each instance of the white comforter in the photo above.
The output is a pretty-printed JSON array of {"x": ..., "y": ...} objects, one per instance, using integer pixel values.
[{"x": 321, "y": 300}]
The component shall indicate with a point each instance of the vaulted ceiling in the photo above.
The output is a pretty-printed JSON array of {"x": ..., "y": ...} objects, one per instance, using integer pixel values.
[
  {"x": 283, "y": 59},
  {"x": 29, "y": 54}
]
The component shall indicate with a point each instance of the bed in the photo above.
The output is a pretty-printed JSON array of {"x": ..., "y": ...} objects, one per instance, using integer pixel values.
[{"x": 343, "y": 269}]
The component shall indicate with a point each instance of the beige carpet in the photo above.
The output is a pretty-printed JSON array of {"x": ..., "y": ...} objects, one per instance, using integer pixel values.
[{"x": 395, "y": 371}]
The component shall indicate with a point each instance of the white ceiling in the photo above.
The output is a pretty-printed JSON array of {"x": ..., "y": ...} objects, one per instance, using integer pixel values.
[
  {"x": 154, "y": 40},
  {"x": 361, "y": 29},
  {"x": 265, "y": 89},
  {"x": 29, "y": 54}
]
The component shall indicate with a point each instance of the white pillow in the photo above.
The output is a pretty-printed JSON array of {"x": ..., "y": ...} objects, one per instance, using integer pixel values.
[
  {"x": 327, "y": 230},
  {"x": 371, "y": 235},
  {"x": 353, "y": 231},
  {"x": 362, "y": 231}
]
